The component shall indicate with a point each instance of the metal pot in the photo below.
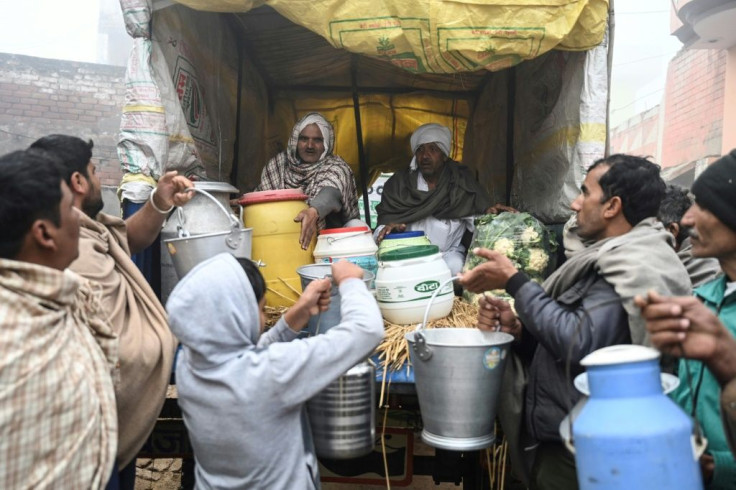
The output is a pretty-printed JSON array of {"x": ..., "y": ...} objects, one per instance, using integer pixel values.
[
  {"x": 188, "y": 250},
  {"x": 342, "y": 416}
]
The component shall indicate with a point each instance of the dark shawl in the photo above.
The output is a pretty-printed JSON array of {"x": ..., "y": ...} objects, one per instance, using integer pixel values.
[{"x": 457, "y": 195}]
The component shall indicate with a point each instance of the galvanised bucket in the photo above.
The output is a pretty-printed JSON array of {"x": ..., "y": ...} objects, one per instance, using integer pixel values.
[
  {"x": 325, "y": 320},
  {"x": 458, "y": 373}
]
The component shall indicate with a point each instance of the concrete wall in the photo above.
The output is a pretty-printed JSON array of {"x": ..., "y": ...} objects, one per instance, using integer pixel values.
[
  {"x": 41, "y": 96},
  {"x": 729, "y": 103},
  {"x": 639, "y": 135}
]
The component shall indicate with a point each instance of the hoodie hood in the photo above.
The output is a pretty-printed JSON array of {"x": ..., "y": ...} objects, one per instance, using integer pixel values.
[{"x": 214, "y": 331}]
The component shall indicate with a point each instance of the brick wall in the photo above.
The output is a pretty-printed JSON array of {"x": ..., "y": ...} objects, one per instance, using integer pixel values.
[
  {"x": 41, "y": 96},
  {"x": 693, "y": 107},
  {"x": 639, "y": 135}
]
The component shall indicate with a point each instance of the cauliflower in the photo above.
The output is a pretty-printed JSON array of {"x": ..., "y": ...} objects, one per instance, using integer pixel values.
[
  {"x": 529, "y": 235},
  {"x": 504, "y": 246},
  {"x": 538, "y": 259}
]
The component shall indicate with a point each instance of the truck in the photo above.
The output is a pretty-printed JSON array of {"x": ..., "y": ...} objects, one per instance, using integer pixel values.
[{"x": 213, "y": 88}]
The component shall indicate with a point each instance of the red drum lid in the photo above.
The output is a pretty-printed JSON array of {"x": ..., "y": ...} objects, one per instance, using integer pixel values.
[{"x": 272, "y": 196}]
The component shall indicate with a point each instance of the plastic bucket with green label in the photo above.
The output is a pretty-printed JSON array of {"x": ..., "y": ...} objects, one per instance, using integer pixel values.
[{"x": 406, "y": 280}]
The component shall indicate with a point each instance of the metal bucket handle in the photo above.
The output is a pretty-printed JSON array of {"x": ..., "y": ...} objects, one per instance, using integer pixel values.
[
  {"x": 420, "y": 343},
  {"x": 233, "y": 239},
  {"x": 332, "y": 239}
]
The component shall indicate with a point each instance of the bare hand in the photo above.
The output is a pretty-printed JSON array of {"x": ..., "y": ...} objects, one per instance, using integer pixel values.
[
  {"x": 393, "y": 227},
  {"x": 685, "y": 327},
  {"x": 681, "y": 326},
  {"x": 496, "y": 314},
  {"x": 171, "y": 190},
  {"x": 342, "y": 270},
  {"x": 309, "y": 218},
  {"x": 499, "y": 208},
  {"x": 314, "y": 299},
  {"x": 493, "y": 274}
]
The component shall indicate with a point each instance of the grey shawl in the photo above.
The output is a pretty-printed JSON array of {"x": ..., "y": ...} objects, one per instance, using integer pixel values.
[{"x": 633, "y": 263}]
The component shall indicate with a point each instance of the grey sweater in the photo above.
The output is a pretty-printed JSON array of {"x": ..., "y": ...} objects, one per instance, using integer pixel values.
[{"x": 242, "y": 397}]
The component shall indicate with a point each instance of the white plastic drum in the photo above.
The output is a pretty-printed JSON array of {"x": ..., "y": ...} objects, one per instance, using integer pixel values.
[
  {"x": 353, "y": 244},
  {"x": 405, "y": 281}
]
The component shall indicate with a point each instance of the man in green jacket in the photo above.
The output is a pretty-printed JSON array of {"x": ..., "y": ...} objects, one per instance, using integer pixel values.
[{"x": 683, "y": 327}]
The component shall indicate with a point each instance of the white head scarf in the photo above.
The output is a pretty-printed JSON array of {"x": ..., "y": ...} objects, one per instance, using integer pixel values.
[
  {"x": 430, "y": 133},
  {"x": 324, "y": 126}
]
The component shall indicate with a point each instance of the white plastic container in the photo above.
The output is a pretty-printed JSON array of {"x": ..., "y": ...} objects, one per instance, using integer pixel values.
[
  {"x": 405, "y": 281},
  {"x": 353, "y": 244}
]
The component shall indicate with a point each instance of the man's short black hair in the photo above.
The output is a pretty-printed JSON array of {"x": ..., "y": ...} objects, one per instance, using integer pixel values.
[
  {"x": 31, "y": 190},
  {"x": 676, "y": 202},
  {"x": 636, "y": 181},
  {"x": 254, "y": 276},
  {"x": 74, "y": 153}
]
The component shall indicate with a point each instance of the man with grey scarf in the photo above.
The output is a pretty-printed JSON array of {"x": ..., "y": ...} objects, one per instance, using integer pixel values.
[
  {"x": 585, "y": 305},
  {"x": 436, "y": 195}
]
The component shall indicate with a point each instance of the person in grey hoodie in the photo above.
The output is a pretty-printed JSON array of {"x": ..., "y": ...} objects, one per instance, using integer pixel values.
[{"x": 243, "y": 392}]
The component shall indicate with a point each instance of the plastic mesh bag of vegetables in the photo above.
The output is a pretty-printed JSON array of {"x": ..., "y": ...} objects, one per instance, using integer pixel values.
[{"x": 521, "y": 237}]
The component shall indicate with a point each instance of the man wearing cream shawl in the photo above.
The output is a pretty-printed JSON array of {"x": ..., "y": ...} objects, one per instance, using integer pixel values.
[
  {"x": 58, "y": 426},
  {"x": 309, "y": 164},
  {"x": 147, "y": 345},
  {"x": 434, "y": 194}
]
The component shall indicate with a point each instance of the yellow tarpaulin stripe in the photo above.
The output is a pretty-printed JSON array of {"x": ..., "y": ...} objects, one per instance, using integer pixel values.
[{"x": 143, "y": 108}]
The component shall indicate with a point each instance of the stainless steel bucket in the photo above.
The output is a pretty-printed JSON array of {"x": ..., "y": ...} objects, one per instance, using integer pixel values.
[
  {"x": 458, "y": 373},
  {"x": 327, "y": 319},
  {"x": 187, "y": 250},
  {"x": 342, "y": 416}
]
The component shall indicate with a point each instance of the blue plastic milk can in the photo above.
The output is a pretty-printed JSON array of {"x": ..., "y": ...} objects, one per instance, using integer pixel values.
[{"x": 629, "y": 435}]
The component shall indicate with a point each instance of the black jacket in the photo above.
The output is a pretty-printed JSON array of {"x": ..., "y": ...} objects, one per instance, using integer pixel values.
[{"x": 586, "y": 317}]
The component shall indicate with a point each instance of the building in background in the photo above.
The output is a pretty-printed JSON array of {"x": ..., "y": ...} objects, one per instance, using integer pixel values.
[{"x": 696, "y": 121}]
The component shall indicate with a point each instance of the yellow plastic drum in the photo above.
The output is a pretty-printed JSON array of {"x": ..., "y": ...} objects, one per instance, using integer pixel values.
[{"x": 276, "y": 241}]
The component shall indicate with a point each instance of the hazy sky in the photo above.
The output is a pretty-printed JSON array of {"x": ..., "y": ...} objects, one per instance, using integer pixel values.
[
  {"x": 641, "y": 50},
  {"x": 642, "y": 44},
  {"x": 50, "y": 28}
]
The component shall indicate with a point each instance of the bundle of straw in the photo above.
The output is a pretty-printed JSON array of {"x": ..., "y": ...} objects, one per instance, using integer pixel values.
[
  {"x": 394, "y": 351},
  {"x": 273, "y": 313}
]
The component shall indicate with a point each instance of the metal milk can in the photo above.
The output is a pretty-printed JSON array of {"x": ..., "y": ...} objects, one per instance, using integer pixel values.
[{"x": 629, "y": 434}]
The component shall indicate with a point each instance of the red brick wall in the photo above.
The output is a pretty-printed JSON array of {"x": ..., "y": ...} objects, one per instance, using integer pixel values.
[
  {"x": 693, "y": 106},
  {"x": 41, "y": 96}
]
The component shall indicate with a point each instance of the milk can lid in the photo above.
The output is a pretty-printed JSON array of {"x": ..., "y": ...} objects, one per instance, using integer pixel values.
[
  {"x": 272, "y": 196},
  {"x": 404, "y": 234},
  {"x": 212, "y": 186},
  {"x": 619, "y": 354},
  {"x": 405, "y": 253}
]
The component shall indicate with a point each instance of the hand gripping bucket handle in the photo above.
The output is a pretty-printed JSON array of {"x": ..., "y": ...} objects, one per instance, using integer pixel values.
[
  {"x": 233, "y": 239},
  {"x": 420, "y": 343}
]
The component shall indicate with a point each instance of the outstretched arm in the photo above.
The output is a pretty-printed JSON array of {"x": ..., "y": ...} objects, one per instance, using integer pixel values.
[{"x": 145, "y": 225}]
